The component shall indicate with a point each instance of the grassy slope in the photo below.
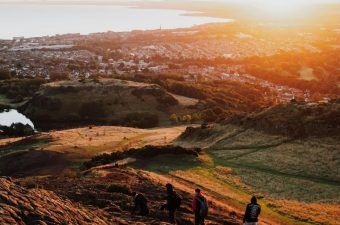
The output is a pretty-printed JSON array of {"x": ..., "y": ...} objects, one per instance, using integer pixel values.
[
  {"x": 274, "y": 167},
  {"x": 223, "y": 172},
  {"x": 78, "y": 145}
]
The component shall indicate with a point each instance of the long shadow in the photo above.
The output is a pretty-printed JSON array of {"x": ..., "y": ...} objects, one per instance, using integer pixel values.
[
  {"x": 230, "y": 136},
  {"x": 24, "y": 144},
  {"x": 168, "y": 162},
  {"x": 255, "y": 149},
  {"x": 316, "y": 179}
]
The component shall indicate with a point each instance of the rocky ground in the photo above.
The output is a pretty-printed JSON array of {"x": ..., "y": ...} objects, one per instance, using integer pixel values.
[
  {"x": 91, "y": 191},
  {"x": 19, "y": 205}
]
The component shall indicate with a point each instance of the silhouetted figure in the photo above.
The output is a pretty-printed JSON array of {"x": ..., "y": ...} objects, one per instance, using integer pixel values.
[
  {"x": 253, "y": 210},
  {"x": 173, "y": 203},
  {"x": 199, "y": 207},
  {"x": 140, "y": 204}
]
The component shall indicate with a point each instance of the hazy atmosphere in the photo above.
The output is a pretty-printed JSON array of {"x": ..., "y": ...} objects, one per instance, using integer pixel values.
[{"x": 223, "y": 112}]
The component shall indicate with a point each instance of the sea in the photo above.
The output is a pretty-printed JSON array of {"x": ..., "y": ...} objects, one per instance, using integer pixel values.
[{"x": 34, "y": 20}]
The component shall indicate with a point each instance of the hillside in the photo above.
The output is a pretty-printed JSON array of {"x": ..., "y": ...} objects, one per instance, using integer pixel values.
[
  {"x": 107, "y": 101},
  {"x": 33, "y": 161},
  {"x": 52, "y": 153},
  {"x": 239, "y": 158},
  {"x": 276, "y": 152},
  {"x": 19, "y": 205},
  {"x": 297, "y": 120}
]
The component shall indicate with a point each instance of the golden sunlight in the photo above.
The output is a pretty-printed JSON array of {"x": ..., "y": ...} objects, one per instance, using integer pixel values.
[{"x": 285, "y": 10}]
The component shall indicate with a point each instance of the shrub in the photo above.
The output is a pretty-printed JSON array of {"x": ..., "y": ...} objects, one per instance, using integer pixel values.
[
  {"x": 141, "y": 120},
  {"x": 118, "y": 188},
  {"x": 195, "y": 117},
  {"x": 16, "y": 130},
  {"x": 173, "y": 118},
  {"x": 209, "y": 116},
  {"x": 147, "y": 151}
]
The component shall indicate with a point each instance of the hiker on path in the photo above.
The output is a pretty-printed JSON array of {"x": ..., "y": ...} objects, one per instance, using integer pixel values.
[
  {"x": 173, "y": 203},
  {"x": 253, "y": 210},
  {"x": 140, "y": 204},
  {"x": 199, "y": 207}
]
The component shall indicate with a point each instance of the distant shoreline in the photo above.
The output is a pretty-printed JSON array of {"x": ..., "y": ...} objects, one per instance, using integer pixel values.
[{"x": 86, "y": 20}]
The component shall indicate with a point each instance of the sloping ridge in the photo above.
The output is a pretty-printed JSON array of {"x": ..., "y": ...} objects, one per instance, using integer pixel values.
[
  {"x": 296, "y": 140},
  {"x": 292, "y": 121},
  {"x": 297, "y": 120},
  {"x": 37, "y": 206}
]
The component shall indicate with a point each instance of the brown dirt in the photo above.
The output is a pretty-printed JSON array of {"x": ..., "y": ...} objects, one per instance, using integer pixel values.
[
  {"x": 22, "y": 206},
  {"x": 91, "y": 191}
]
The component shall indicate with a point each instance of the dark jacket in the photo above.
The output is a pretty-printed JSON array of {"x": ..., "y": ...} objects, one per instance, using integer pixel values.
[
  {"x": 141, "y": 205},
  {"x": 253, "y": 210},
  {"x": 196, "y": 205},
  {"x": 171, "y": 201}
]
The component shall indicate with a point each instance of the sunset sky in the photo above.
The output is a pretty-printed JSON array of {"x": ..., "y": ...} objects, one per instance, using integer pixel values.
[{"x": 232, "y": 1}]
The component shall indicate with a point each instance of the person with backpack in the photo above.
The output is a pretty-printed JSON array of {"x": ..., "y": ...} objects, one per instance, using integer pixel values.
[
  {"x": 199, "y": 207},
  {"x": 140, "y": 204},
  {"x": 173, "y": 202},
  {"x": 253, "y": 210}
]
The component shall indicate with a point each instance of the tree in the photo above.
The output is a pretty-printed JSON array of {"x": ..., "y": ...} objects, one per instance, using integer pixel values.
[
  {"x": 209, "y": 116},
  {"x": 195, "y": 117},
  {"x": 141, "y": 120},
  {"x": 187, "y": 118},
  {"x": 16, "y": 130},
  {"x": 173, "y": 118}
]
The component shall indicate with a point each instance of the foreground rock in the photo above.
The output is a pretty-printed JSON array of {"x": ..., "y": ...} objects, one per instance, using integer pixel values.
[
  {"x": 109, "y": 190},
  {"x": 37, "y": 206}
]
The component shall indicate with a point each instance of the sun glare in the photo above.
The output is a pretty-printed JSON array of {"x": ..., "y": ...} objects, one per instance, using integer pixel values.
[{"x": 280, "y": 9}]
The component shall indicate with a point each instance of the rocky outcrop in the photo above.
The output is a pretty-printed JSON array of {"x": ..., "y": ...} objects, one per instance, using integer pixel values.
[
  {"x": 110, "y": 101},
  {"x": 19, "y": 205}
]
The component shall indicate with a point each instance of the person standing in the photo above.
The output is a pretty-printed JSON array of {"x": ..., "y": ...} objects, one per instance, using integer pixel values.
[
  {"x": 252, "y": 213},
  {"x": 140, "y": 204},
  {"x": 173, "y": 203},
  {"x": 199, "y": 207}
]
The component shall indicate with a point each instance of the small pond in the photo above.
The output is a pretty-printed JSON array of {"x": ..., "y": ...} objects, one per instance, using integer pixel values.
[{"x": 10, "y": 116}]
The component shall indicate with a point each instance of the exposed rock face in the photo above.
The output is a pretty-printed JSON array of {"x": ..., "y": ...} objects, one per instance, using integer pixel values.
[{"x": 37, "y": 206}]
